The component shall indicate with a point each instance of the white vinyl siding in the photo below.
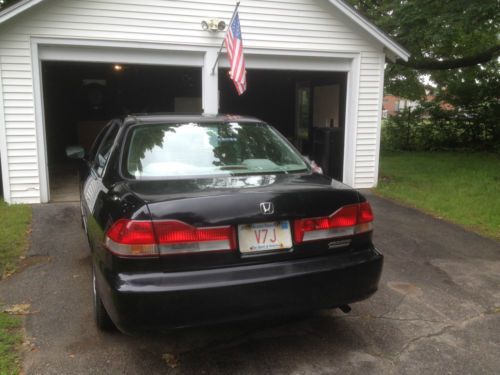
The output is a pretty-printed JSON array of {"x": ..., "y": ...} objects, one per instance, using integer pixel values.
[
  {"x": 301, "y": 25},
  {"x": 368, "y": 122}
]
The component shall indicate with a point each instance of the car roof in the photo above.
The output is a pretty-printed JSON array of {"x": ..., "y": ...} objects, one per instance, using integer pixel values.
[{"x": 148, "y": 118}]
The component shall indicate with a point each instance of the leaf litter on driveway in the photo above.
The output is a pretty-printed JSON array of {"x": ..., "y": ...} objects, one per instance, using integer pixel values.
[
  {"x": 19, "y": 309},
  {"x": 171, "y": 360}
]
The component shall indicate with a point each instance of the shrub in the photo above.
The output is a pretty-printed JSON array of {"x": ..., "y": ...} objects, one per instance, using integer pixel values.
[{"x": 428, "y": 127}]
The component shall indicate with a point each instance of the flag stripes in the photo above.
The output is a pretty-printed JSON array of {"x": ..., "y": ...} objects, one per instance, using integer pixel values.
[{"x": 234, "y": 46}]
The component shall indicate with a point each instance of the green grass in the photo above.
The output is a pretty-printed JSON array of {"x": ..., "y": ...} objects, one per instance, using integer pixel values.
[
  {"x": 10, "y": 341},
  {"x": 14, "y": 225},
  {"x": 461, "y": 187}
]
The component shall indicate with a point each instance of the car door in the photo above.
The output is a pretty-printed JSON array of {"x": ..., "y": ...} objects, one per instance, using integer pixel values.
[
  {"x": 84, "y": 168},
  {"x": 93, "y": 186}
]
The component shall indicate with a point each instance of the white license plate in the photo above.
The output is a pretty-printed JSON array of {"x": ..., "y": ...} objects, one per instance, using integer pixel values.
[{"x": 270, "y": 236}]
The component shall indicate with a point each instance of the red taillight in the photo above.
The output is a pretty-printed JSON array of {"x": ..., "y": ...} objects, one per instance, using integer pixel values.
[
  {"x": 177, "y": 232},
  {"x": 132, "y": 238},
  {"x": 346, "y": 216},
  {"x": 365, "y": 214},
  {"x": 132, "y": 232},
  {"x": 346, "y": 221},
  {"x": 178, "y": 237},
  {"x": 150, "y": 238}
]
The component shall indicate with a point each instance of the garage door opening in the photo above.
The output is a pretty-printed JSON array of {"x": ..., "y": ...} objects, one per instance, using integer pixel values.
[
  {"x": 307, "y": 107},
  {"x": 80, "y": 99}
]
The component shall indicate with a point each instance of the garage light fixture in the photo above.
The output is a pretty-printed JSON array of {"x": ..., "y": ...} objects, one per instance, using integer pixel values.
[
  {"x": 213, "y": 25},
  {"x": 117, "y": 67}
]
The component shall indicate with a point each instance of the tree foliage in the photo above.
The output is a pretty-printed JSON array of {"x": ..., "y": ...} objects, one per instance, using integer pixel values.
[
  {"x": 455, "y": 47},
  {"x": 446, "y": 38}
]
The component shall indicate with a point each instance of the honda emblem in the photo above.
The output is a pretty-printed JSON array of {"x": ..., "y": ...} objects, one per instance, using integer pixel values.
[{"x": 267, "y": 208}]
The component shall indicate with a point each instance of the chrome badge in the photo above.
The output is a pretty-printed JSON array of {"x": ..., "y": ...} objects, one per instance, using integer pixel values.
[{"x": 267, "y": 208}]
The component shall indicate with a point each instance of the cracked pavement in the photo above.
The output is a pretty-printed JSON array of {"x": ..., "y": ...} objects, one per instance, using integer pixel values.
[{"x": 437, "y": 311}]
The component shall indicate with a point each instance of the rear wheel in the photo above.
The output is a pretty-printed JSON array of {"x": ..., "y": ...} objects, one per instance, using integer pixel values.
[{"x": 102, "y": 319}]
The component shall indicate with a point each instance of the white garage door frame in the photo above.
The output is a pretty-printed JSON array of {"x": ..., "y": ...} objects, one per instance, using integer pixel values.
[{"x": 54, "y": 49}]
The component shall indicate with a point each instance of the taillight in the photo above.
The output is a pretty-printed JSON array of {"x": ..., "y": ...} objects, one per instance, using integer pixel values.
[
  {"x": 178, "y": 237},
  {"x": 130, "y": 232},
  {"x": 132, "y": 238},
  {"x": 346, "y": 221},
  {"x": 365, "y": 214},
  {"x": 152, "y": 238}
]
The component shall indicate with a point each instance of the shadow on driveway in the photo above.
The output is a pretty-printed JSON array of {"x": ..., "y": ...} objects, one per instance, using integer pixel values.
[{"x": 437, "y": 311}]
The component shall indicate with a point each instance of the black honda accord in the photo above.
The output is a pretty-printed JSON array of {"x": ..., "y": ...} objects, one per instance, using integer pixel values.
[{"x": 201, "y": 219}]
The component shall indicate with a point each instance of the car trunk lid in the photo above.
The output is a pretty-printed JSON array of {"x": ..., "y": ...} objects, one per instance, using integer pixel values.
[{"x": 237, "y": 200}]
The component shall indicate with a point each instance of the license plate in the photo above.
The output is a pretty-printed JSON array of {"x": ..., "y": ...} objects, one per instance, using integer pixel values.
[{"x": 270, "y": 236}]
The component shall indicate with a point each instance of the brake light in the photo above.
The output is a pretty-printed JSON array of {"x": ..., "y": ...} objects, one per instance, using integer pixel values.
[
  {"x": 178, "y": 237},
  {"x": 130, "y": 232},
  {"x": 131, "y": 238},
  {"x": 365, "y": 214},
  {"x": 153, "y": 238},
  {"x": 346, "y": 221}
]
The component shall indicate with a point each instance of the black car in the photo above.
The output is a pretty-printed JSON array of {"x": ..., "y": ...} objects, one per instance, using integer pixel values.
[{"x": 201, "y": 219}]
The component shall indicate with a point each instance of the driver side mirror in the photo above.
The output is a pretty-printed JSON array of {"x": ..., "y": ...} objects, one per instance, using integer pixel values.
[{"x": 75, "y": 152}]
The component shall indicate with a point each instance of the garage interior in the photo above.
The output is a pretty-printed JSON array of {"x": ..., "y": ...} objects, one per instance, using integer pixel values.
[
  {"x": 80, "y": 99},
  {"x": 308, "y": 107}
]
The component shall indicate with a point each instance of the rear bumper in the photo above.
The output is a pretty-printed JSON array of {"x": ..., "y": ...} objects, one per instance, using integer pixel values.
[{"x": 138, "y": 302}]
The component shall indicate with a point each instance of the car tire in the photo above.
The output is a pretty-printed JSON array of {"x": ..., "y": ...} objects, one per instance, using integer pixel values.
[{"x": 102, "y": 319}]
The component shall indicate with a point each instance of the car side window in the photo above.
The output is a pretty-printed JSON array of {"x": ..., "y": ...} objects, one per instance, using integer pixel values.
[
  {"x": 97, "y": 142},
  {"x": 104, "y": 149}
]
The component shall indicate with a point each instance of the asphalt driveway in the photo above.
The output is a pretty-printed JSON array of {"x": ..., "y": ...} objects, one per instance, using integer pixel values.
[{"x": 437, "y": 311}]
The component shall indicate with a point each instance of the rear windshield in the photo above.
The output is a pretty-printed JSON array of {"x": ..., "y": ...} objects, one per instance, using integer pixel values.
[{"x": 207, "y": 149}]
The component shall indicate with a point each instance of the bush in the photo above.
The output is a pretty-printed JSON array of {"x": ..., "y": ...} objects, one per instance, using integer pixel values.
[{"x": 428, "y": 127}]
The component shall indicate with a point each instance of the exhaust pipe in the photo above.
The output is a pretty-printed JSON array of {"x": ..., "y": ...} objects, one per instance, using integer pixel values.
[{"x": 346, "y": 309}]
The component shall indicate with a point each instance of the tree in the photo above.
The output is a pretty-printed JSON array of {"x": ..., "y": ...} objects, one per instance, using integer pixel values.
[
  {"x": 440, "y": 35},
  {"x": 454, "y": 44}
]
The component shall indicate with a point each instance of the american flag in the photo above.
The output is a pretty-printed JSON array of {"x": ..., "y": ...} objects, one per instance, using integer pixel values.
[{"x": 234, "y": 45}]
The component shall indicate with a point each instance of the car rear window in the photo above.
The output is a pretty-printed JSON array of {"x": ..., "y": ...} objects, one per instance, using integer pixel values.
[{"x": 206, "y": 149}]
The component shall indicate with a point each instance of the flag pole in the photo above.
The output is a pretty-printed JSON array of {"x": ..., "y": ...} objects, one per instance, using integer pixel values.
[{"x": 223, "y": 40}]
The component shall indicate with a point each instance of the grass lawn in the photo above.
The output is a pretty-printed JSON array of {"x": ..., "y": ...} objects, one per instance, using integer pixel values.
[
  {"x": 10, "y": 340},
  {"x": 462, "y": 187},
  {"x": 15, "y": 220},
  {"x": 14, "y": 226}
]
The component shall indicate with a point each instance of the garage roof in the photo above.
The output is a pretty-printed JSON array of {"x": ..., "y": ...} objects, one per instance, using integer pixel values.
[{"x": 396, "y": 49}]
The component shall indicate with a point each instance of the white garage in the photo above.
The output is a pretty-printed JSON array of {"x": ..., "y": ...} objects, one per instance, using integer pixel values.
[{"x": 314, "y": 71}]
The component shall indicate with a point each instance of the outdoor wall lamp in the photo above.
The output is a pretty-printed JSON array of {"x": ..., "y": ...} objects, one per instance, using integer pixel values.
[{"x": 213, "y": 25}]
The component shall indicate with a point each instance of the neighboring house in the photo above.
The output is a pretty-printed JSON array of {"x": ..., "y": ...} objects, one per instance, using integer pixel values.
[
  {"x": 315, "y": 71},
  {"x": 394, "y": 104}
]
